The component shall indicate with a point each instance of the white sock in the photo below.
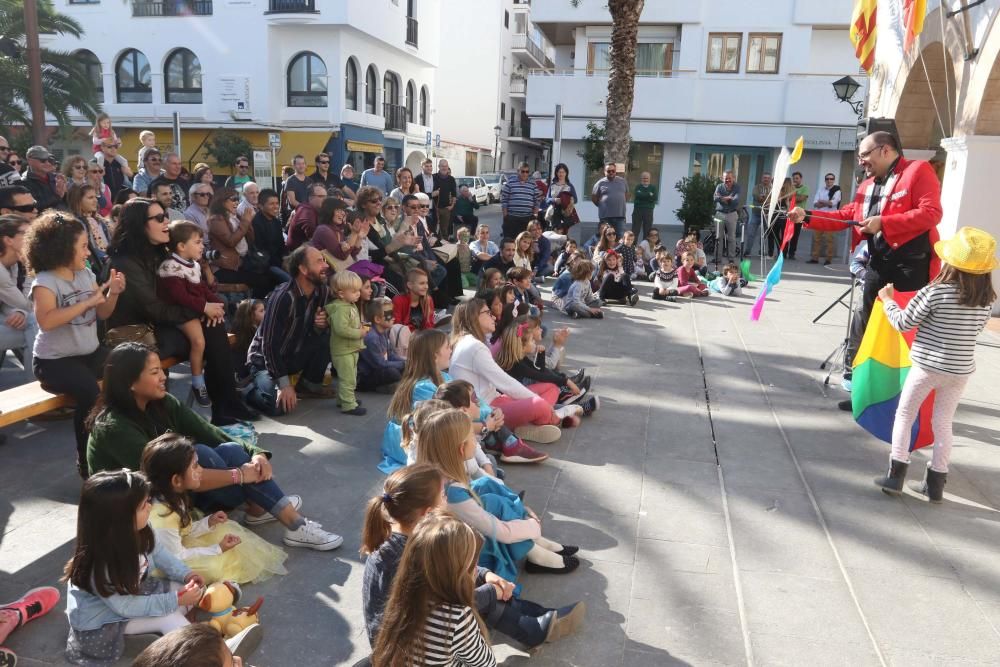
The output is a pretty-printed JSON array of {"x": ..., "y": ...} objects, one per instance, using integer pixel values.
[
  {"x": 541, "y": 556},
  {"x": 548, "y": 544}
]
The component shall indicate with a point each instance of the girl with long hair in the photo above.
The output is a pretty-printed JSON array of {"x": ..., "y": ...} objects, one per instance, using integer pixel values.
[
  {"x": 82, "y": 202},
  {"x": 246, "y": 321}
]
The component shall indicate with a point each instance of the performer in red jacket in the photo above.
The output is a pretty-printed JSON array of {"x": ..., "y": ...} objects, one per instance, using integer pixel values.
[{"x": 898, "y": 206}]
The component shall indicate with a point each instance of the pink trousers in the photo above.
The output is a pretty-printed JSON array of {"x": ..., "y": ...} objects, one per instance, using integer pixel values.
[
  {"x": 919, "y": 383},
  {"x": 535, "y": 410}
]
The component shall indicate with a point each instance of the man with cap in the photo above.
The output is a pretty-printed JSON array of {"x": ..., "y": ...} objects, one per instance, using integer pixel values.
[
  {"x": 41, "y": 179},
  {"x": 8, "y": 175},
  {"x": 378, "y": 177}
]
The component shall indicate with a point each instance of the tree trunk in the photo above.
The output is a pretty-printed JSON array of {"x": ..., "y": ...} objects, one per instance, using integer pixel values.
[{"x": 621, "y": 80}]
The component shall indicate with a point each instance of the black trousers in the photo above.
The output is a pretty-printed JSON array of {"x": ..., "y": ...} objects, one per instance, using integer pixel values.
[
  {"x": 77, "y": 377},
  {"x": 260, "y": 283},
  {"x": 219, "y": 377},
  {"x": 377, "y": 377},
  {"x": 615, "y": 291},
  {"x": 514, "y": 225},
  {"x": 793, "y": 244}
]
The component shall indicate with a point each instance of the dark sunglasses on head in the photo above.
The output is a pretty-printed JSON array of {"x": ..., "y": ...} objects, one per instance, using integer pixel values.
[
  {"x": 25, "y": 208},
  {"x": 159, "y": 217}
]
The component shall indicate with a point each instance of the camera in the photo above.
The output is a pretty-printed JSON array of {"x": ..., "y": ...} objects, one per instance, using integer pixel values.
[{"x": 212, "y": 255}]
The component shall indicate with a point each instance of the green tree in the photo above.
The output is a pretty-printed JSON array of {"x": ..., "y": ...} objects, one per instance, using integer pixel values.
[
  {"x": 594, "y": 149},
  {"x": 697, "y": 201},
  {"x": 226, "y": 146},
  {"x": 67, "y": 90}
]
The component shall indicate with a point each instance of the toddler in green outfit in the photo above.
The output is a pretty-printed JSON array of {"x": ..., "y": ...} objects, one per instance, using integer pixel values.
[{"x": 346, "y": 338}]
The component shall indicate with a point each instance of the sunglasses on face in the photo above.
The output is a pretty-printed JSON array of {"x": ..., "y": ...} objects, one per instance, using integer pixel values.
[
  {"x": 243, "y": 166},
  {"x": 96, "y": 171},
  {"x": 323, "y": 162},
  {"x": 234, "y": 198},
  {"x": 5, "y": 148},
  {"x": 159, "y": 218},
  {"x": 203, "y": 194},
  {"x": 25, "y": 208},
  {"x": 391, "y": 208},
  {"x": 79, "y": 166},
  {"x": 15, "y": 163},
  {"x": 524, "y": 171}
]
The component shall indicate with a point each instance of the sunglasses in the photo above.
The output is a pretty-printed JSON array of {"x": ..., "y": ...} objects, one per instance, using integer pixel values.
[
  {"x": 391, "y": 208},
  {"x": 243, "y": 166},
  {"x": 96, "y": 171},
  {"x": 15, "y": 163},
  {"x": 322, "y": 162},
  {"x": 25, "y": 208},
  {"x": 159, "y": 218},
  {"x": 79, "y": 166},
  {"x": 5, "y": 148},
  {"x": 234, "y": 198},
  {"x": 111, "y": 145},
  {"x": 524, "y": 171},
  {"x": 830, "y": 178},
  {"x": 202, "y": 194}
]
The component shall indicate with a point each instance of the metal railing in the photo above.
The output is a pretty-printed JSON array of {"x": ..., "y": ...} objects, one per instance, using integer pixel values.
[
  {"x": 522, "y": 42},
  {"x": 411, "y": 31},
  {"x": 523, "y": 130},
  {"x": 171, "y": 7},
  {"x": 291, "y": 6},
  {"x": 395, "y": 116},
  {"x": 592, "y": 71},
  {"x": 518, "y": 86}
]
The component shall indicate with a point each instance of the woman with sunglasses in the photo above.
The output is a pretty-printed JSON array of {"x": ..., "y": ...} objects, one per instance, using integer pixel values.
[
  {"x": 74, "y": 168},
  {"x": 95, "y": 178},
  {"x": 82, "y": 202},
  {"x": 233, "y": 240},
  {"x": 14, "y": 160},
  {"x": 138, "y": 246}
]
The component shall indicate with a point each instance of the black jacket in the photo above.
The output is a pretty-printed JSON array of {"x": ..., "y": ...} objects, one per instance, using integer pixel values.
[{"x": 267, "y": 238}]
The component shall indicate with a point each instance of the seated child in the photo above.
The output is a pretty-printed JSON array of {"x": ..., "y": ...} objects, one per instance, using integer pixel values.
[
  {"x": 614, "y": 281},
  {"x": 524, "y": 291},
  {"x": 630, "y": 258},
  {"x": 461, "y": 395},
  {"x": 412, "y": 311},
  {"x": 181, "y": 280},
  {"x": 346, "y": 339},
  {"x": 391, "y": 519},
  {"x": 379, "y": 367},
  {"x": 563, "y": 259},
  {"x": 213, "y": 546},
  {"x": 101, "y": 132},
  {"x": 580, "y": 300},
  {"x": 148, "y": 140},
  {"x": 491, "y": 279},
  {"x": 414, "y": 422},
  {"x": 465, "y": 258},
  {"x": 200, "y": 644},
  {"x": 654, "y": 264},
  {"x": 367, "y": 290},
  {"x": 665, "y": 279},
  {"x": 688, "y": 281},
  {"x": 249, "y": 315},
  {"x": 13, "y": 615},
  {"x": 728, "y": 284}
]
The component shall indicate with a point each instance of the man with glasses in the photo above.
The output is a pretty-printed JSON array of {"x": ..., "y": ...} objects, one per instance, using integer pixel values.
[
  {"x": 18, "y": 200},
  {"x": 40, "y": 179},
  {"x": 898, "y": 206},
  {"x": 17, "y": 317},
  {"x": 172, "y": 176},
  {"x": 608, "y": 196},
  {"x": 197, "y": 212},
  {"x": 149, "y": 172},
  {"x": 302, "y": 224},
  {"x": 827, "y": 199},
  {"x": 8, "y": 174},
  {"x": 519, "y": 202},
  {"x": 378, "y": 177},
  {"x": 324, "y": 175},
  {"x": 728, "y": 197},
  {"x": 241, "y": 174},
  {"x": 117, "y": 174}
]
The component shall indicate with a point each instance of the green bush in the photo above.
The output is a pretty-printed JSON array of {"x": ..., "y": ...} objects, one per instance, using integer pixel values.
[
  {"x": 225, "y": 146},
  {"x": 697, "y": 201}
]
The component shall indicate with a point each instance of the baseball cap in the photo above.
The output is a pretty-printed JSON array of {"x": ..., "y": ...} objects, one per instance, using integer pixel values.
[{"x": 38, "y": 153}]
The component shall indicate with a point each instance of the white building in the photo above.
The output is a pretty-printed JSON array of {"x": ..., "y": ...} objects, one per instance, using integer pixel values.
[
  {"x": 720, "y": 85},
  {"x": 352, "y": 78},
  {"x": 482, "y": 75}
]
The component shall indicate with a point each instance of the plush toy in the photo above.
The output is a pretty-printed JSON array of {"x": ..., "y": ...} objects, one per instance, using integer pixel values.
[{"x": 227, "y": 619}]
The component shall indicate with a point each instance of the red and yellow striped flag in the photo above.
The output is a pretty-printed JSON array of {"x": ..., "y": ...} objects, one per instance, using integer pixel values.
[
  {"x": 863, "y": 32},
  {"x": 914, "y": 12}
]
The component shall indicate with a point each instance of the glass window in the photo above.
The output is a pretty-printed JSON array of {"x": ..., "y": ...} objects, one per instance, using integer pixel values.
[
  {"x": 307, "y": 81},
  {"x": 390, "y": 89},
  {"x": 411, "y": 101},
  {"x": 598, "y": 57},
  {"x": 423, "y": 105},
  {"x": 371, "y": 91},
  {"x": 643, "y": 156},
  {"x": 133, "y": 80},
  {"x": 651, "y": 58},
  {"x": 763, "y": 53},
  {"x": 351, "y": 86},
  {"x": 724, "y": 52},
  {"x": 183, "y": 75},
  {"x": 92, "y": 66}
]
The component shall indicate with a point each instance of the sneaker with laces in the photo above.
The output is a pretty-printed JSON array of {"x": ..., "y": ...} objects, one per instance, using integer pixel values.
[
  {"x": 543, "y": 434},
  {"x": 522, "y": 452},
  {"x": 201, "y": 396},
  {"x": 267, "y": 517},
  {"x": 567, "y": 396},
  {"x": 312, "y": 536},
  {"x": 591, "y": 405},
  {"x": 441, "y": 318},
  {"x": 633, "y": 299},
  {"x": 569, "y": 411}
]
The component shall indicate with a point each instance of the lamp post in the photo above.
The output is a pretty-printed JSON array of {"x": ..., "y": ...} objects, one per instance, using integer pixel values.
[
  {"x": 844, "y": 89},
  {"x": 496, "y": 146}
]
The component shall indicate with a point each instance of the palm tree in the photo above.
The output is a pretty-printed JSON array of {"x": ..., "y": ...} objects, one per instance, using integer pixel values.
[
  {"x": 65, "y": 83},
  {"x": 621, "y": 77}
]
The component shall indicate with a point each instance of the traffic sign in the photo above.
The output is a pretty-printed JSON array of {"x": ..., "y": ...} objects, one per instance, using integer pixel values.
[
  {"x": 437, "y": 141},
  {"x": 428, "y": 137},
  {"x": 274, "y": 139}
]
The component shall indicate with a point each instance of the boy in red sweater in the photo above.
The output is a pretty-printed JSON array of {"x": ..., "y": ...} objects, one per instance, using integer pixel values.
[{"x": 181, "y": 280}]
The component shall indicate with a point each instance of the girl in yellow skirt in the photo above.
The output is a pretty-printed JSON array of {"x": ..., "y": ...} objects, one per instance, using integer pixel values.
[{"x": 212, "y": 546}]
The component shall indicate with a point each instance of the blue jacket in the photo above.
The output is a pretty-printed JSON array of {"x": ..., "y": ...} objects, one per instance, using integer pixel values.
[
  {"x": 378, "y": 353},
  {"x": 87, "y": 611},
  {"x": 544, "y": 254},
  {"x": 561, "y": 288}
]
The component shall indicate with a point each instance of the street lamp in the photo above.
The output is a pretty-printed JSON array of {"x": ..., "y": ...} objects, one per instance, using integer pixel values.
[
  {"x": 496, "y": 146},
  {"x": 844, "y": 89}
]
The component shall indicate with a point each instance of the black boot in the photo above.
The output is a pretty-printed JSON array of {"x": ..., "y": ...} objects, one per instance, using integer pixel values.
[
  {"x": 892, "y": 483},
  {"x": 933, "y": 485}
]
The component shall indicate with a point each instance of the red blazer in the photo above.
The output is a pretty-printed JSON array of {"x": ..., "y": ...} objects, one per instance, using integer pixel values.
[
  {"x": 182, "y": 292},
  {"x": 913, "y": 207},
  {"x": 401, "y": 311}
]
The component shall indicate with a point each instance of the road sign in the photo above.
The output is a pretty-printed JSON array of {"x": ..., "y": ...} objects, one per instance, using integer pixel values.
[
  {"x": 428, "y": 137},
  {"x": 274, "y": 139},
  {"x": 437, "y": 141}
]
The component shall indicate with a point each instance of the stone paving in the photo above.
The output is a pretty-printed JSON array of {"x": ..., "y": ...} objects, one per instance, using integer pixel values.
[{"x": 724, "y": 507}]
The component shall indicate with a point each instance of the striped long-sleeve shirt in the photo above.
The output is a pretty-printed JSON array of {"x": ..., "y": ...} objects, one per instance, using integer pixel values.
[
  {"x": 288, "y": 323},
  {"x": 452, "y": 637},
  {"x": 946, "y": 338},
  {"x": 519, "y": 198}
]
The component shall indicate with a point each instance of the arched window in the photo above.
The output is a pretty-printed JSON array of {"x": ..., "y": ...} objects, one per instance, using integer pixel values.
[
  {"x": 133, "y": 82},
  {"x": 182, "y": 72},
  {"x": 424, "y": 103},
  {"x": 351, "y": 85},
  {"x": 411, "y": 101},
  {"x": 306, "y": 81},
  {"x": 390, "y": 89},
  {"x": 92, "y": 66},
  {"x": 371, "y": 91}
]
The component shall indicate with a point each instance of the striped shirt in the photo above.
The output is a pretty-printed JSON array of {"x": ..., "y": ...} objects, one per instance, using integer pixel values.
[
  {"x": 452, "y": 637},
  {"x": 519, "y": 198},
  {"x": 946, "y": 338}
]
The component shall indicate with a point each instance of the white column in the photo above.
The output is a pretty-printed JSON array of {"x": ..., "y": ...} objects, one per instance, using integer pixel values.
[{"x": 968, "y": 176}]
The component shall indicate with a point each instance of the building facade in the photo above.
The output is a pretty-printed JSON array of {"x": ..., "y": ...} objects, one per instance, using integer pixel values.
[
  {"x": 720, "y": 85},
  {"x": 352, "y": 78}
]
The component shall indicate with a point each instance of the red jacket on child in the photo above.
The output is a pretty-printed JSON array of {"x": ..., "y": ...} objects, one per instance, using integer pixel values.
[
  {"x": 183, "y": 282},
  {"x": 401, "y": 311}
]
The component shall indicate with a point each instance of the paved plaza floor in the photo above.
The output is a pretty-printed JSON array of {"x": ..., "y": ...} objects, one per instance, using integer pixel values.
[{"x": 724, "y": 507}]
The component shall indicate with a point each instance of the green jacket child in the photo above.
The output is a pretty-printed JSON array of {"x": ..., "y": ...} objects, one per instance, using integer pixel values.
[{"x": 346, "y": 336}]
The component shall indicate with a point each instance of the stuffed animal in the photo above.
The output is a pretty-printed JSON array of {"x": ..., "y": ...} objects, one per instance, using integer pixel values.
[{"x": 226, "y": 618}]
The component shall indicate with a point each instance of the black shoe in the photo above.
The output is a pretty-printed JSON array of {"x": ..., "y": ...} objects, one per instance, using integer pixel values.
[
  {"x": 568, "y": 550},
  {"x": 570, "y": 563},
  {"x": 579, "y": 378},
  {"x": 813, "y": 261},
  {"x": 201, "y": 396},
  {"x": 846, "y": 405},
  {"x": 599, "y": 316},
  {"x": 357, "y": 411},
  {"x": 242, "y": 412},
  {"x": 828, "y": 262},
  {"x": 892, "y": 483},
  {"x": 932, "y": 486},
  {"x": 583, "y": 384},
  {"x": 590, "y": 405}
]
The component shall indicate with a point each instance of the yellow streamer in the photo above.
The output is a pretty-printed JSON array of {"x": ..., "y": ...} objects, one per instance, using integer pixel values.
[{"x": 797, "y": 151}]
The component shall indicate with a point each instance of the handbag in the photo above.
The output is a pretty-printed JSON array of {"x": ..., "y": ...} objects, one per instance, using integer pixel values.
[
  {"x": 130, "y": 333},
  {"x": 446, "y": 251},
  {"x": 255, "y": 261}
]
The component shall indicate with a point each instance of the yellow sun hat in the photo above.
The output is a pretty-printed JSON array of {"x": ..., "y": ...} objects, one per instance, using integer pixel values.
[{"x": 971, "y": 250}]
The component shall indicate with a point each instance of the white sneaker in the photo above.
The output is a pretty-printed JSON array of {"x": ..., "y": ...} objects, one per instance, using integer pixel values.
[
  {"x": 569, "y": 411},
  {"x": 267, "y": 517},
  {"x": 245, "y": 643},
  {"x": 543, "y": 434},
  {"x": 312, "y": 536}
]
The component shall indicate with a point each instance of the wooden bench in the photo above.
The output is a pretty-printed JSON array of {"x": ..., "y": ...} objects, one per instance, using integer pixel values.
[{"x": 30, "y": 400}]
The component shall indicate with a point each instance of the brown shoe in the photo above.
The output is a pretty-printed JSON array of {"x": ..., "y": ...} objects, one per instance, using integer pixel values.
[{"x": 326, "y": 391}]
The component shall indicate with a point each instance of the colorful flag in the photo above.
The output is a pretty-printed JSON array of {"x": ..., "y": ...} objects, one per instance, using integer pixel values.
[
  {"x": 914, "y": 12},
  {"x": 863, "y": 32},
  {"x": 880, "y": 369},
  {"x": 774, "y": 275}
]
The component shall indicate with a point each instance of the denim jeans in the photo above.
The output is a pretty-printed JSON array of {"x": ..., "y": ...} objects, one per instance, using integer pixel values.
[
  {"x": 311, "y": 361},
  {"x": 617, "y": 223},
  {"x": 518, "y": 619},
  {"x": 228, "y": 455},
  {"x": 279, "y": 274},
  {"x": 21, "y": 339},
  {"x": 753, "y": 229}
]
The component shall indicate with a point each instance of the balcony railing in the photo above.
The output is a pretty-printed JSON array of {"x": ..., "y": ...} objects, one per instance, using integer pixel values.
[
  {"x": 290, "y": 6},
  {"x": 518, "y": 86},
  {"x": 171, "y": 7},
  {"x": 411, "y": 31},
  {"x": 534, "y": 50},
  {"x": 395, "y": 116},
  {"x": 523, "y": 130}
]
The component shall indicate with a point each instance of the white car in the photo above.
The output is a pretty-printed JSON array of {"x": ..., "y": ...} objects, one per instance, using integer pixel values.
[
  {"x": 477, "y": 185},
  {"x": 494, "y": 182}
]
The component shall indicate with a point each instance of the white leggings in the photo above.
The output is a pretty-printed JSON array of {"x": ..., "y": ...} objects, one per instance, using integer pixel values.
[
  {"x": 159, "y": 625},
  {"x": 919, "y": 383}
]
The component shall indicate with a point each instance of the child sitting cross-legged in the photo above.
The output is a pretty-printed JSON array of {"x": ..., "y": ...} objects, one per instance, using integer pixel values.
[
  {"x": 181, "y": 280},
  {"x": 379, "y": 367},
  {"x": 405, "y": 523},
  {"x": 580, "y": 300},
  {"x": 461, "y": 395},
  {"x": 413, "y": 311},
  {"x": 688, "y": 281},
  {"x": 512, "y": 531},
  {"x": 213, "y": 546},
  {"x": 729, "y": 283},
  {"x": 565, "y": 278},
  {"x": 563, "y": 259},
  {"x": 615, "y": 283},
  {"x": 665, "y": 279},
  {"x": 346, "y": 339}
]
